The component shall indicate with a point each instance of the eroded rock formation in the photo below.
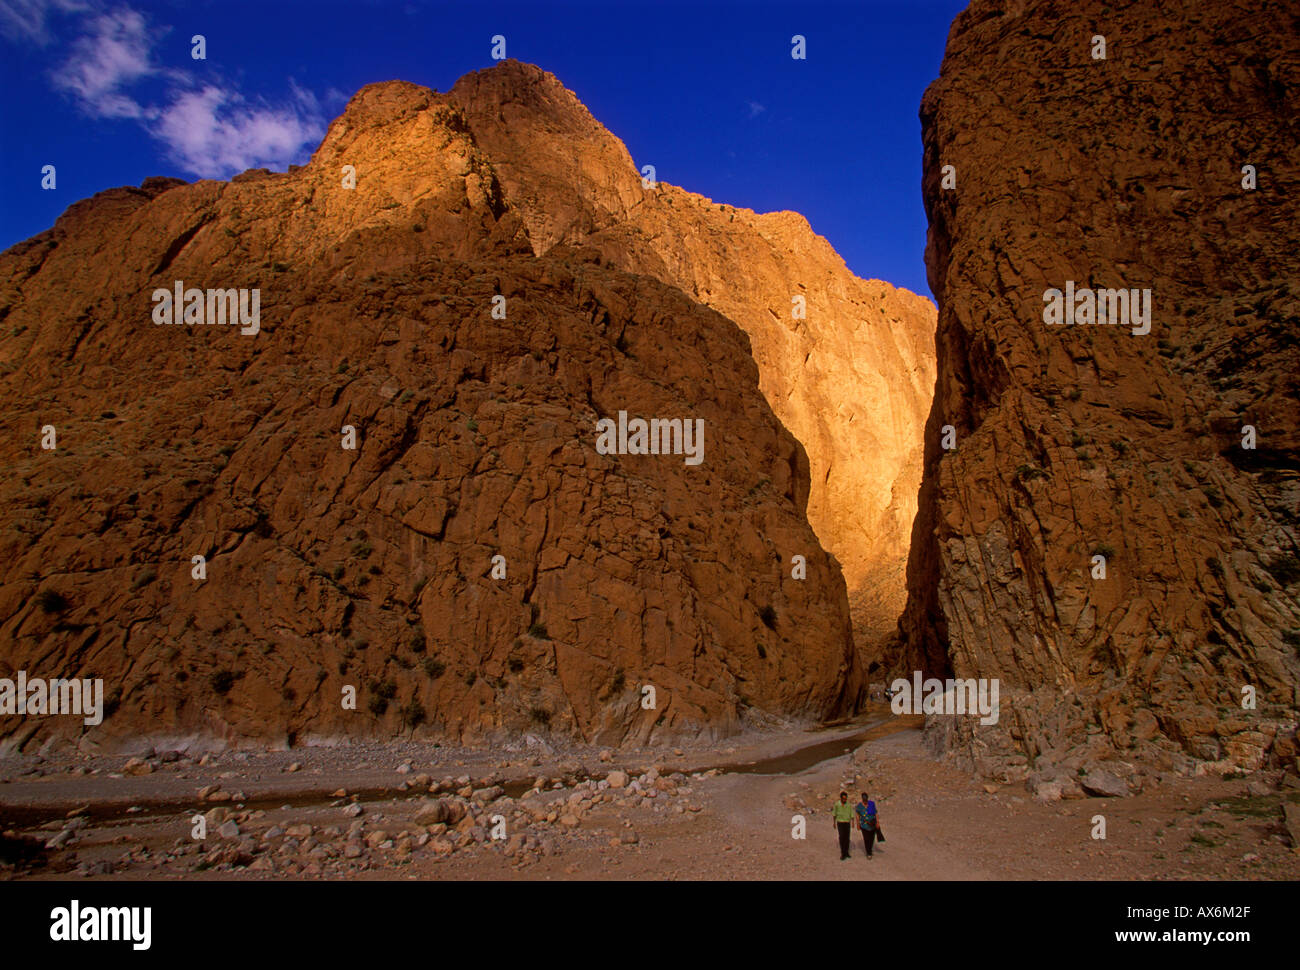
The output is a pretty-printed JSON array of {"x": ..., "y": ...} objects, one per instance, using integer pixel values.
[
  {"x": 851, "y": 377},
  {"x": 372, "y": 567},
  {"x": 1079, "y": 441}
]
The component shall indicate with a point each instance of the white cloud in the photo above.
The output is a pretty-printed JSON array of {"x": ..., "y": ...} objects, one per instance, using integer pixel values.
[
  {"x": 113, "y": 53},
  {"x": 755, "y": 109},
  {"x": 26, "y": 20},
  {"x": 211, "y": 130}
]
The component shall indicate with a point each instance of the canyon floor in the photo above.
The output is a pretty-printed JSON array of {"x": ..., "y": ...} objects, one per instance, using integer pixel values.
[{"x": 716, "y": 812}]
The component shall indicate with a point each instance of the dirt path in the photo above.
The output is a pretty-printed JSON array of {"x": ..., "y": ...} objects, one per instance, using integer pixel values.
[{"x": 727, "y": 825}]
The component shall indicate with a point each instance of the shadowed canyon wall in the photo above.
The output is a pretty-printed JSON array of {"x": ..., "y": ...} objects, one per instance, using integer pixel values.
[
  {"x": 475, "y": 438},
  {"x": 1087, "y": 440}
]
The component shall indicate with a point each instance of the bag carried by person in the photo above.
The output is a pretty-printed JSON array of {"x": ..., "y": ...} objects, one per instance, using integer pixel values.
[{"x": 880, "y": 833}]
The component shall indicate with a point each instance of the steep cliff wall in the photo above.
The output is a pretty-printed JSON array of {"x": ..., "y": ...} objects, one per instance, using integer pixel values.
[{"x": 1074, "y": 441}]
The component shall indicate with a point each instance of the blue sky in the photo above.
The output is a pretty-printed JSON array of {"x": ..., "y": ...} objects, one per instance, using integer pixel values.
[{"x": 707, "y": 92}]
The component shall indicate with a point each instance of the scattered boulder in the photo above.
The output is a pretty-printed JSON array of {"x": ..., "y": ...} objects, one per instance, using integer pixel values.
[{"x": 1103, "y": 784}]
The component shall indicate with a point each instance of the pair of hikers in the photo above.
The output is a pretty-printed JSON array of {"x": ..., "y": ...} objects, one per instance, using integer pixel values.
[{"x": 867, "y": 818}]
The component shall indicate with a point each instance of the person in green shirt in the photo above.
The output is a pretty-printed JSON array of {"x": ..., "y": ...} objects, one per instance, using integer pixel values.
[{"x": 842, "y": 813}]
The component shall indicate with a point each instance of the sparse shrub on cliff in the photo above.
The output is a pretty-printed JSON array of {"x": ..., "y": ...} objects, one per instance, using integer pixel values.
[
  {"x": 620, "y": 680},
  {"x": 413, "y": 714},
  {"x": 516, "y": 665},
  {"x": 768, "y": 616},
  {"x": 434, "y": 668},
  {"x": 1027, "y": 473},
  {"x": 540, "y": 715},
  {"x": 1285, "y": 569},
  {"x": 1105, "y": 655},
  {"x": 221, "y": 681},
  {"x": 538, "y": 629},
  {"x": 51, "y": 602}
]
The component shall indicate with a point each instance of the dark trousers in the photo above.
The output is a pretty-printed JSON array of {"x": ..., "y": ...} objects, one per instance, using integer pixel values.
[
  {"x": 868, "y": 838},
  {"x": 845, "y": 834}
]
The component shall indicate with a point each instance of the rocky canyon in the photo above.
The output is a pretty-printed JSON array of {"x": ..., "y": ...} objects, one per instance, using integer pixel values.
[
  {"x": 391, "y": 485},
  {"x": 1109, "y": 526}
]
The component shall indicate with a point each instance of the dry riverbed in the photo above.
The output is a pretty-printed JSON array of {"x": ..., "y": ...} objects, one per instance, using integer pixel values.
[{"x": 412, "y": 811}]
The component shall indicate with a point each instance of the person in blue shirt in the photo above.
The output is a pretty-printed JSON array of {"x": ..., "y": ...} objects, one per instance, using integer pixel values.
[{"x": 868, "y": 822}]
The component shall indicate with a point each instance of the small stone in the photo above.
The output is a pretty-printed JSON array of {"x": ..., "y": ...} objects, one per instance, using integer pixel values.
[{"x": 353, "y": 810}]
